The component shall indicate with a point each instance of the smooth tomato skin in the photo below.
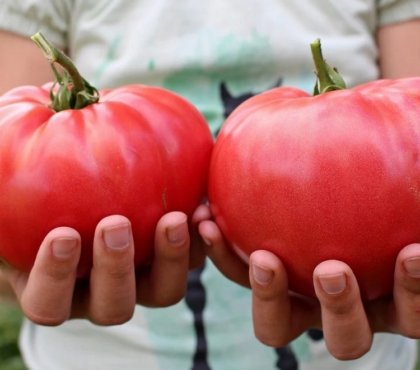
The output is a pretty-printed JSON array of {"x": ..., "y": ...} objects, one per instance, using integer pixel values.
[
  {"x": 335, "y": 176},
  {"x": 141, "y": 152}
]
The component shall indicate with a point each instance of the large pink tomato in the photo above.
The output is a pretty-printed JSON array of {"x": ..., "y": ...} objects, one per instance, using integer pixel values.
[
  {"x": 139, "y": 151},
  {"x": 332, "y": 176}
]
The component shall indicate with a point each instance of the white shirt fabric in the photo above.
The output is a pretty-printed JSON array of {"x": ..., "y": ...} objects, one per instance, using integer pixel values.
[{"x": 193, "y": 47}]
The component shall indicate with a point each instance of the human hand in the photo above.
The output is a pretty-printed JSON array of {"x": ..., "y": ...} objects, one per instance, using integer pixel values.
[
  {"x": 50, "y": 294},
  {"x": 348, "y": 324}
]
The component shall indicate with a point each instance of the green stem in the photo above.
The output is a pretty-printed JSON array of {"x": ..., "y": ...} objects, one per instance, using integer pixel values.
[
  {"x": 328, "y": 78},
  {"x": 74, "y": 91}
]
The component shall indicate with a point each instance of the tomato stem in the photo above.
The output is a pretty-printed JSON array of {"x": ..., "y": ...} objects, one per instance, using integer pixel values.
[
  {"x": 328, "y": 78},
  {"x": 73, "y": 91}
]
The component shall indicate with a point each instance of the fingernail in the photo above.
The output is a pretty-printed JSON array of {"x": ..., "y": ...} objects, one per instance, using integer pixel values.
[
  {"x": 63, "y": 248},
  {"x": 177, "y": 234},
  {"x": 412, "y": 266},
  {"x": 262, "y": 275},
  {"x": 333, "y": 284},
  {"x": 117, "y": 237}
]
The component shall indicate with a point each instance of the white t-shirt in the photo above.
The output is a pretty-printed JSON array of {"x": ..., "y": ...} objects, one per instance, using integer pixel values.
[{"x": 215, "y": 53}]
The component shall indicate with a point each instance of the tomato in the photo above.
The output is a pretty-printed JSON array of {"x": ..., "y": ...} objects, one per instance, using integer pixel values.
[
  {"x": 140, "y": 151},
  {"x": 332, "y": 176}
]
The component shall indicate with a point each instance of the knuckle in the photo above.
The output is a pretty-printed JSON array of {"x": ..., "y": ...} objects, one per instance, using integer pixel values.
[
  {"x": 44, "y": 318},
  {"x": 273, "y": 336},
  {"x": 349, "y": 350},
  {"x": 352, "y": 354},
  {"x": 155, "y": 299},
  {"x": 272, "y": 340},
  {"x": 339, "y": 308},
  {"x": 109, "y": 319},
  {"x": 120, "y": 272},
  {"x": 174, "y": 255},
  {"x": 268, "y": 293},
  {"x": 414, "y": 301},
  {"x": 116, "y": 270},
  {"x": 408, "y": 315},
  {"x": 412, "y": 286},
  {"x": 263, "y": 295},
  {"x": 161, "y": 300},
  {"x": 58, "y": 271},
  {"x": 170, "y": 300}
]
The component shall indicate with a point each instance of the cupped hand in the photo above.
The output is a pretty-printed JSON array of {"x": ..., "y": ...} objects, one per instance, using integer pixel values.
[
  {"x": 50, "y": 294},
  {"x": 348, "y": 324}
]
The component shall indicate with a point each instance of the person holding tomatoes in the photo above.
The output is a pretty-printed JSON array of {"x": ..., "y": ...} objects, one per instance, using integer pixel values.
[{"x": 216, "y": 54}]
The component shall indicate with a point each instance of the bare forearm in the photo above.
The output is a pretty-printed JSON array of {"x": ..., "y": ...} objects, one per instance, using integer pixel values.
[
  {"x": 21, "y": 62},
  {"x": 399, "y": 49}
]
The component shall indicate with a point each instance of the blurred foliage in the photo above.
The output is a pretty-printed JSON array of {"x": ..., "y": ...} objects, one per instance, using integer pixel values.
[{"x": 10, "y": 320}]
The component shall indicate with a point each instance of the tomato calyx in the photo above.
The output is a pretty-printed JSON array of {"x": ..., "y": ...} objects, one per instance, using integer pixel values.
[
  {"x": 328, "y": 78},
  {"x": 70, "y": 90}
]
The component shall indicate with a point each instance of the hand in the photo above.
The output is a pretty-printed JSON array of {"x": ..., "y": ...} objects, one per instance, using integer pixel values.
[
  {"x": 348, "y": 325},
  {"x": 50, "y": 293}
]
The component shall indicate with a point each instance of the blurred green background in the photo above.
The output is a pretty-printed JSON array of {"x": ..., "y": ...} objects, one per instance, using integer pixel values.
[{"x": 10, "y": 319}]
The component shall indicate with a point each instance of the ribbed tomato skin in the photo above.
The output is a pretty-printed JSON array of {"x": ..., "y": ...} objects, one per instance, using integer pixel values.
[
  {"x": 141, "y": 151},
  {"x": 334, "y": 176}
]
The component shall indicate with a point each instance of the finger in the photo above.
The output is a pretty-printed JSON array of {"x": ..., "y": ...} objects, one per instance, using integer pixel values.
[
  {"x": 46, "y": 296},
  {"x": 200, "y": 214},
  {"x": 166, "y": 281},
  {"x": 112, "y": 280},
  {"x": 225, "y": 259},
  {"x": 278, "y": 318},
  {"x": 197, "y": 248},
  {"x": 407, "y": 291},
  {"x": 346, "y": 328}
]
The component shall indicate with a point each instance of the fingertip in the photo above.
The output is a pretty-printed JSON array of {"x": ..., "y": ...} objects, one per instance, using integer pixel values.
[
  {"x": 177, "y": 233},
  {"x": 113, "y": 234},
  {"x": 265, "y": 266},
  {"x": 222, "y": 255},
  {"x": 261, "y": 274},
  {"x": 265, "y": 258},
  {"x": 63, "y": 245},
  {"x": 113, "y": 220},
  {"x": 267, "y": 274},
  {"x": 201, "y": 213},
  {"x": 331, "y": 267},
  {"x": 331, "y": 277},
  {"x": 410, "y": 250},
  {"x": 210, "y": 233},
  {"x": 172, "y": 230},
  {"x": 62, "y": 232},
  {"x": 408, "y": 261},
  {"x": 172, "y": 218}
]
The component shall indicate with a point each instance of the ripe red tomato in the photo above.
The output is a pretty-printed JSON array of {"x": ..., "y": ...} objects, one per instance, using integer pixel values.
[
  {"x": 139, "y": 151},
  {"x": 332, "y": 176}
]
